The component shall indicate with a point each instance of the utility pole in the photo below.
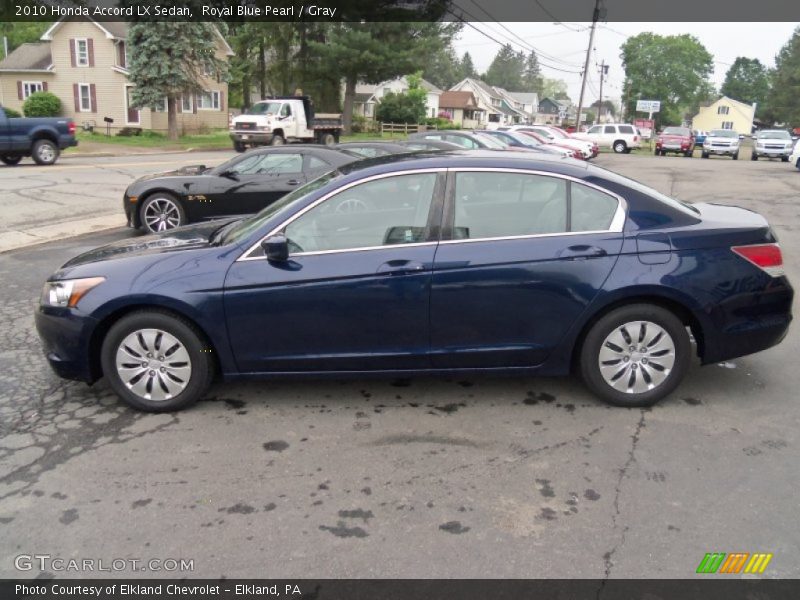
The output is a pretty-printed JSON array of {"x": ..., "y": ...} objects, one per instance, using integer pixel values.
[
  {"x": 595, "y": 18},
  {"x": 603, "y": 73}
]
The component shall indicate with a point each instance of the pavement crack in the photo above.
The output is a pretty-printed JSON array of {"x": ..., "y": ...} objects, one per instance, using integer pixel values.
[{"x": 615, "y": 525}]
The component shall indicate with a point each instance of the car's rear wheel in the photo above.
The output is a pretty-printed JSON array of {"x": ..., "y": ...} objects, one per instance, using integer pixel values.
[
  {"x": 688, "y": 153},
  {"x": 659, "y": 152},
  {"x": 754, "y": 156},
  {"x": 277, "y": 140},
  {"x": 327, "y": 139},
  {"x": 784, "y": 159},
  {"x": 156, "y": 362},
  {"x": 239, "y": 147},
  {"x": 10, "y": 159},
  {"x": 704, "y": 155},
  {"x": 635, "y": 355},
  {"x": 735, "y": 156},
  {"x": 44, "y": 152},
  {"x": 620, "y": 146},
  {"x": 161, "y": 212}
]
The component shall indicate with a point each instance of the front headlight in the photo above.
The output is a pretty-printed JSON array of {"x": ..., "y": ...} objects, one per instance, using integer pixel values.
[{"x": 68, "y": 292}]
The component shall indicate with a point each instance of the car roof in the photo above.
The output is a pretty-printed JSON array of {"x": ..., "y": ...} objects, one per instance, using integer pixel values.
[{"x": 368, "y": 144}]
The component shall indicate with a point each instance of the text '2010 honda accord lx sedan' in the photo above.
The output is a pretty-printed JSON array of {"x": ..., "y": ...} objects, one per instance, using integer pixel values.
[{"x": 427, "y": 263}]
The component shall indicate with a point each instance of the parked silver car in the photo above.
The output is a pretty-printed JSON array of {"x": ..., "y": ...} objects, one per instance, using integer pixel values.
[
  {"x": 724, "y": 142},
  {"x": 773, "y": 143}
]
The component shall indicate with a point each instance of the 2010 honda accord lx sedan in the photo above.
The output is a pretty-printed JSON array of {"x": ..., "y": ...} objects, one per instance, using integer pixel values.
[{"x": 447, "y": 262}]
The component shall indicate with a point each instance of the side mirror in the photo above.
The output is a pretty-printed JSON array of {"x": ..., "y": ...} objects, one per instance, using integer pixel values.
[
  {"x": 276, "y": 248},
  {"x": 230, "y": 175}
]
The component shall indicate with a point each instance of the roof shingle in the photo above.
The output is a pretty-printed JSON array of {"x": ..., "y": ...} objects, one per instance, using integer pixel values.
[{"x": 28, "y": 57}]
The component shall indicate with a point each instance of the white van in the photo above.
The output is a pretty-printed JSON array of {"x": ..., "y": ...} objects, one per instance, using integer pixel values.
[{"x": 621, "y": 137}]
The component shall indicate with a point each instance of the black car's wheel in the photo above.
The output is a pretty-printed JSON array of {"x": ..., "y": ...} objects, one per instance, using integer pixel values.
[
  {"x": 620, "y": 146},
  {"x": 44, "y": 152},
  {"x": 735, "y": 156},
  {"x": 156, "y": 362},
  {"x": 10, "y": 159},
  {"x": 161, "y": 212},
  {"x": 277, "y": 140},
  {"x": 635, "y": 355},
  {"x": 239, "y": 147}
]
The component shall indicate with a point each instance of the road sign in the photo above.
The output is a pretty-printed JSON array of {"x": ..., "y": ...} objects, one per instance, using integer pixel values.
[
  {"x": 648, "y": 106},
  {"x": 562, "y": 114}
]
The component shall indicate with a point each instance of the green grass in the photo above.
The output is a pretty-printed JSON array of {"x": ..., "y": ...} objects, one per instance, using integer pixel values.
[{"x": 215, "y": 139}]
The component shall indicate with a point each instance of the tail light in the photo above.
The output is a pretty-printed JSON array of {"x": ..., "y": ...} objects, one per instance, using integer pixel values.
[
  {"x": 636, "y": 138},
  {"x": 71, "y": 127},
  {"x": 766, "y": 257}
]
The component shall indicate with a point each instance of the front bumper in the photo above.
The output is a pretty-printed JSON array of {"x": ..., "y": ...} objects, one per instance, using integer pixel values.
[
  {"x": 772, "y": 152},
  {"x": 251, "y": 137},
  {"x": 721, "y": 151},
  {"x": 65, "y": 334}
]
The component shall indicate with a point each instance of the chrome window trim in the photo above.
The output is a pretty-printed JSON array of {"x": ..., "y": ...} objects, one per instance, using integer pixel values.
[
  {"x": 246, "y": 255},
  {"x": 616, "y": 226}
]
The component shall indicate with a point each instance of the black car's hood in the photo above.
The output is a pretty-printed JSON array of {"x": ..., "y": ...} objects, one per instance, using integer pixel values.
[
  {"x": 176, "y": 240},
  {"x": 189, "y": 171}
]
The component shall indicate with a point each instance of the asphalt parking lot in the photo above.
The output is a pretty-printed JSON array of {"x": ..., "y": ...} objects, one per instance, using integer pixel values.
[{"x": 472, "y": 477}]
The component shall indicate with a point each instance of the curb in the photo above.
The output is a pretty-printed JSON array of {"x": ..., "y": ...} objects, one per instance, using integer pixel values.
[
  {"x": 19, "y": 239},
  {"x": 107, "y": 154}
]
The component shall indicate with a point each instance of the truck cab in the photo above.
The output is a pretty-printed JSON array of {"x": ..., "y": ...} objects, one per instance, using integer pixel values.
[{"x": 279, "y": 120}]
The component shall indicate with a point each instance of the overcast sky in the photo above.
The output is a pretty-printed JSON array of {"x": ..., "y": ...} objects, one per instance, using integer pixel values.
[{"x": 564, "y": 45}]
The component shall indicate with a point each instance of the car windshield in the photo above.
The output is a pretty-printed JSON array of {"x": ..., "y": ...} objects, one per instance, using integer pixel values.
[
  {"x": 724, "y": 133},
  {"x": 676, "y": 131},
  {"x": 490, "y": 141},
  {"x": 558, "y": 133},
  {"x": 265, "y": 108},
  {"x": 775, "y": 135},
  {"x": 245, "y": 227}
]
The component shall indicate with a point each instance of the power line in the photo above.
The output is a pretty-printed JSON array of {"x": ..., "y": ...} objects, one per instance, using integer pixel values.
[{"x": 555, "y": 20}]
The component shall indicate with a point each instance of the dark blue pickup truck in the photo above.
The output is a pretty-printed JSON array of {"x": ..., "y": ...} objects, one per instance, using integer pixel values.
[{"x": 41, "y": 138}]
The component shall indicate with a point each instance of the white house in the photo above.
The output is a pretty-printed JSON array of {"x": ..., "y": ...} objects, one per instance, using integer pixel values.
[
  {"x": 497, "y": 106},
  {"x": 369, "y": 95}
]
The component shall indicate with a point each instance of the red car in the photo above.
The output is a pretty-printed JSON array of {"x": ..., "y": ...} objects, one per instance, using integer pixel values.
[
  {"x": 679, "y": 140},
  {"x": 575, "y": 153}
]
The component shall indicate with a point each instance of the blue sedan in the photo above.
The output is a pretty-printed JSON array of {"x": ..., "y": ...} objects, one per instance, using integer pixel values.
[{"x": 427, "y": 263}]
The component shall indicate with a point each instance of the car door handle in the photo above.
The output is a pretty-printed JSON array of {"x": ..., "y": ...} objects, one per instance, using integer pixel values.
[
  {"x": 293, "y": 182},
  {"x": 400, "y": 267},
  {"x": 583, "y": 251}
]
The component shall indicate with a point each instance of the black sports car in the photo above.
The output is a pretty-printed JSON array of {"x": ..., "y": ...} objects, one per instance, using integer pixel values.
[
  {"x": 245, "y": 184},
  {"x": 372, "y": 148}
]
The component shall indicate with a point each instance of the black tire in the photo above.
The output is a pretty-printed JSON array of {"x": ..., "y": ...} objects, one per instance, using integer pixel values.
[
  {"x": 277, "y": 140},
  {"x": 239, "y": 146},
  {"x": 44, "y": 152},
  {"x": 615, "y": 320},
  {"x": 704, "y": 155},
  {"x": 327, "y": 139},
  {"x": 735, "y": 156},
  {"x": 658, "y": 152},
  {"x": 754, "y": 156},
  {"x": 12, "y": 160},
  {"x": 172, "y": 218},
  {"x": 689, "y": 153},
  {"x": 620, "y": 146},
  {"x": 201, "y": 361},
  {"x": 784, "y": 159}
]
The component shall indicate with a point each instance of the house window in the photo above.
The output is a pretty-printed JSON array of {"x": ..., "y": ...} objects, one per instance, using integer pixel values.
[
  {"x": 722, "y": 110},
  {"x": 186, "y": 103},
  {"x": 727, "y": 124},
  {"x": 162, "y": 107},
  {"x": 208, "y": 100},
  {"x": 82, "y": 52},
  {"x": 85, "y": 97},
  {"x": 31, "y": 87},
  {"x": 122, "y": 55}
]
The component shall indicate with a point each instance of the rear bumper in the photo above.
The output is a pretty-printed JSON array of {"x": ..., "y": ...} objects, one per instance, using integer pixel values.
[
  {"x": 749, "y": 323},
  {"x": 67, "y": 141}
]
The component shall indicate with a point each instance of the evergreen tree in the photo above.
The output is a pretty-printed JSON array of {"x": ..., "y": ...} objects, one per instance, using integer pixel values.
[
  {"x": 532, "y": 75},
  {"x": 467, "y": 67},
  {"x": 506, "y": 69},
  {"x": 783, "y": 99}
]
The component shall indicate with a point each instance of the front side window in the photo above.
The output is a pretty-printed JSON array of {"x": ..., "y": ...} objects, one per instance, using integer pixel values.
[
  {"x": 382, "y": 212},
  {"x": 269, "y": 164},
  {"x": 492, "y": 205},
  {"x": 596, "y": 129},
  {"x": 286, "y": 111}
]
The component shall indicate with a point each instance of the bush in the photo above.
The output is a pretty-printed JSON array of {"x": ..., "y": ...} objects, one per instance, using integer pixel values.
[
  {"x": 129, "y": 131},
  {"x": 441, "y": 123},
  {"x": 11, "y": 113},
  {"x": 42, "y": 104},
  {"x": 401, "y": 108}
]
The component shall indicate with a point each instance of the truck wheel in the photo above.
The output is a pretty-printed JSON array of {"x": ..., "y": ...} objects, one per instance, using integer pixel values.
[
  {"x": 620, "y": 146},
  {"x": 327, "y": 139},
  {"x": 277, "y": 140},
  {"x": 44, "y": 152},
  {"x": 12, "y": 160},
  {"x": 239, "y": 146}
]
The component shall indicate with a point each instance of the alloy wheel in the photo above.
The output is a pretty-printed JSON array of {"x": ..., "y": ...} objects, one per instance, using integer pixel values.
[{"x": 162, "y": 214}]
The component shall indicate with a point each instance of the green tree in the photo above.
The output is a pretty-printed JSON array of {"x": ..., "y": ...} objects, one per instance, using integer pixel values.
[
  {"x": 376, "y": 51},
  {"x": 168, "y": 59},
  {"x": 673, "y": 69},
  {"x": 18, "y": 33},
  {"x": 506, "y": 69},
  {"x": 553, "y": 88},
  {"x": 784, "y": 97},
  {"x": 532, "y": 74},
  {"x": 467, "y": 67},
  {"x": 42, "y": 104},
  {"x": 443, "y": 69},
  {"x": 747, "y": 81},
  {"x": 409, "y": 107}
]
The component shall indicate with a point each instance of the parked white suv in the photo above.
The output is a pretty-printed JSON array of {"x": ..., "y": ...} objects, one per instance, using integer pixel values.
[
  {"x": 721, "y": 141},
  {"x": 621, "y": 137},
  {"x": 772, "y": 143}
]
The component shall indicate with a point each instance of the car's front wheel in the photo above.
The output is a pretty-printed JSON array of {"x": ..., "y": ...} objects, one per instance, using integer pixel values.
[
  {"x": 161, "y": 212},
  {"x": 635, "y": 355},
  {"x": 10, "y": 159},
  {"x": 156, "y": 362},
  {"x": 239, "y": 147},
  {"x": 735, "y": 156}
]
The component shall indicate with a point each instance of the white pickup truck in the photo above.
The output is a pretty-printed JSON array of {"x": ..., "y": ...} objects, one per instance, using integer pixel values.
[{"x": 278, "y": 120}]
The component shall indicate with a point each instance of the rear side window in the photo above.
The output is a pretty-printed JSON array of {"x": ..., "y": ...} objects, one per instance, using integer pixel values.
[
  {"x": 591, "y": 209},
  {"x": 625, "y": 129},
  {"x": 491, "y": 205},
  {"x": 610, "y": 129},
  {"x": 317, "y": 163}
]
